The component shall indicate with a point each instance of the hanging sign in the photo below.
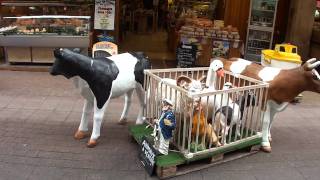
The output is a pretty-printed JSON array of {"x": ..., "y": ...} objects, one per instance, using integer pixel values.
[{"x": 104, "y": 14}]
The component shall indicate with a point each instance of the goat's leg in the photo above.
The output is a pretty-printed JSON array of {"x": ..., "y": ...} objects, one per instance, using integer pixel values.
[
  {"x": 97, "y": 120},
  {"x": 140, "y": 93},
  {"x": 82, "y": 131},
  {"x": 226, "y": 133},
  {"x": 127, "y": 103},
  {"x": 212, "y": 136}
]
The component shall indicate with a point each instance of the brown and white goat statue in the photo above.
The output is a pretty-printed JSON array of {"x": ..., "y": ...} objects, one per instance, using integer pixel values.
[{"x": 284, "y": 86}]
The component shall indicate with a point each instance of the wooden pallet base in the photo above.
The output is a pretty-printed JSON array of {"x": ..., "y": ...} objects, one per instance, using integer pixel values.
[
  {"x": 175, "y": 164},
  {"x": 172, "y": 171}
]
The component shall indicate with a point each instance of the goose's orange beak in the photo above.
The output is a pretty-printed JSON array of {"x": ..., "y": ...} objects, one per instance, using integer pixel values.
[{"x": 220, "y": 72}]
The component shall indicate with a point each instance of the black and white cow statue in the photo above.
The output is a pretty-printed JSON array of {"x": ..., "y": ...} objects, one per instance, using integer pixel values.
[{"x": 100, "y": 80}]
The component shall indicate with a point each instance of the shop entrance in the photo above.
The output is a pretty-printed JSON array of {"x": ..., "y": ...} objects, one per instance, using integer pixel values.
[{"x": 144, "y": 27}]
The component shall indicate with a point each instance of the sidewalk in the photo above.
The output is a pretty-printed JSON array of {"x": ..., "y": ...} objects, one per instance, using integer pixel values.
[{"x": 39, "y": 114}]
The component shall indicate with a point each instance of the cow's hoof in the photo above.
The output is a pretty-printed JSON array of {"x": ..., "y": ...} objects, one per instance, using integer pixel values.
[
  {"x": 92, "y": 143},
  {"x": 123, "y": 121},
  {"x": 81, "y": 134},
  {"x": 266, "y": 149}
]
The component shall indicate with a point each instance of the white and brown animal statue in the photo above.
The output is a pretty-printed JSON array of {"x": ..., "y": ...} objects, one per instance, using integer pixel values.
[
  {"x": 106, "y": 78},
  {"x": 284, "y": 86}
]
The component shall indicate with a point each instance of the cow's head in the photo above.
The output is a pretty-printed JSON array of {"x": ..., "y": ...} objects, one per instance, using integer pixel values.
[
  {"x": 143, "y": 59},
  {"x": 64, "y": 62},
  {"x": 312, "y": 76}
]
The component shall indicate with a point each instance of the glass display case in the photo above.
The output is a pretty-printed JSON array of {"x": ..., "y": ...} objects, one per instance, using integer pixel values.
[
  {"x": 260, "y": 28},
  {"x": 37, "y": 36},
  {"x": 46, "y": 25}
]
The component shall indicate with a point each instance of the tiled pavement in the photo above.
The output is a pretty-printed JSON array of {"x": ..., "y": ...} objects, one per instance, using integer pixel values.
[{"x": 39, "y": 114}]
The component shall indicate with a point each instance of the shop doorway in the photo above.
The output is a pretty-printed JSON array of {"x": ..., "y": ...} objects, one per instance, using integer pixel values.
[{"x": 144, "y": 27}]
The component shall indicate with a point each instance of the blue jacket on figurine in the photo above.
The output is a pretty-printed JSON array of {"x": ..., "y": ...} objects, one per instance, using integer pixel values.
[{"x": 167, "y": 130}]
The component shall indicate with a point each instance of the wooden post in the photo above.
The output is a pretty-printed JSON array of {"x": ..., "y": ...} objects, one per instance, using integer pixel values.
[
  {"x": 300, "y": 24},
  {"x": 236, "y": 14}
]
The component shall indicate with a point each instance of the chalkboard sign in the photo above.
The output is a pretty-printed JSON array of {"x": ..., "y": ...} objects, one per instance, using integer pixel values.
[
  {"x": 148, "y": 155},
  {"x": 186, "y": 55}
]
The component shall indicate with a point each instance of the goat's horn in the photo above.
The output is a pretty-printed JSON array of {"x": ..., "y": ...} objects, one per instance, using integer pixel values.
[{"x": 314, "y": 65}]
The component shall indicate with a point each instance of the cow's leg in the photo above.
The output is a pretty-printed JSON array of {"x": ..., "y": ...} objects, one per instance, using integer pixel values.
[
  {"x": 265, "y": 145},
  {"x": 97, "y": 120},
  {"x": 266, "y": 131},
  {"x": 86, "y": 93},
  {"x": 127, "y": 103},
  {"x": 82, "y": 131},
  {"x": 140, "y": 93},
  {"x": 275, "y": 108}
]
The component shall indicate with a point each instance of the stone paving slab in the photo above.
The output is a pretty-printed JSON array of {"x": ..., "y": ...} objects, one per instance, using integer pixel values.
[{"x": 40, "y": 113}]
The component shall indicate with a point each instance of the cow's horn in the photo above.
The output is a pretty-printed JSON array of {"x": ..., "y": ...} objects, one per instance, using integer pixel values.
[
  {"x": 312, "y": 60},
  {"x": 314, "y": 65},
  {"x": 308, "y": 66}
]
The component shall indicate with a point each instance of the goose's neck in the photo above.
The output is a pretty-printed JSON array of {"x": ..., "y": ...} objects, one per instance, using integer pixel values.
[{"x": 211, "y": 79}]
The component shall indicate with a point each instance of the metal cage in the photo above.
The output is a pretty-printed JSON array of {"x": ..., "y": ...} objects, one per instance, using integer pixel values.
[{"x": 248, "y": 97}]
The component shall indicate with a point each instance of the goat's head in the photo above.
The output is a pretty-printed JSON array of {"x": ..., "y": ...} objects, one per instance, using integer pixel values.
[
  {"x": 311, "y": 71},
  {"x": 191, "y": 84}
]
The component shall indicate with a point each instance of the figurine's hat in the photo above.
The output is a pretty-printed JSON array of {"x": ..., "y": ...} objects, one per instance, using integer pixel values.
[{"x": 167, "y": 101}]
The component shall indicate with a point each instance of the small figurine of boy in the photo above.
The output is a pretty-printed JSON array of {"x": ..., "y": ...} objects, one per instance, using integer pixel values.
[{"x": 165, "y": 125}]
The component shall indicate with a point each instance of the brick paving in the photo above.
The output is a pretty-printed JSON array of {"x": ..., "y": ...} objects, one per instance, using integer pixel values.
[{"x": 39, "y": 114}]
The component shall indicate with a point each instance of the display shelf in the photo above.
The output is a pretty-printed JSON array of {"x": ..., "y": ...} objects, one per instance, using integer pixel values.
[
  {"x": 261, "y": 10},
  {"x": 258, "y": 40},
  {"x": 261, "y": 27}
]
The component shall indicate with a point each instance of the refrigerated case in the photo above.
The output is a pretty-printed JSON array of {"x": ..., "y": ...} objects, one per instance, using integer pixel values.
[
  {"x": 260, "y": 28},
  {"x": 33, "y": 38}
]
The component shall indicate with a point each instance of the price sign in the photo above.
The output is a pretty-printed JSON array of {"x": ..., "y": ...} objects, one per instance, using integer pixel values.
[
  {"x": 186, "y": 55},
  {"x": 148, "y": 155},
  {"x": 104, "y": 14}
]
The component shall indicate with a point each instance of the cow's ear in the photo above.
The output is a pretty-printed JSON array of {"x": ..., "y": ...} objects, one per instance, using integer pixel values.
[
  {"x": 77, "y": 50},
  {"x": 184, "y": 82}
]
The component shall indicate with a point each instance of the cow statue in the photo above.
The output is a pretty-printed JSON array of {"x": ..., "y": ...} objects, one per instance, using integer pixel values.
[
  {"x": 107, "y": 78},
  {"x": 284, "y": 86}
]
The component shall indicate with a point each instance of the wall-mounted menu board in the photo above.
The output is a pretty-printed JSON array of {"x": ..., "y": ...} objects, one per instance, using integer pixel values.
[{"x": 186, "y": 55}]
